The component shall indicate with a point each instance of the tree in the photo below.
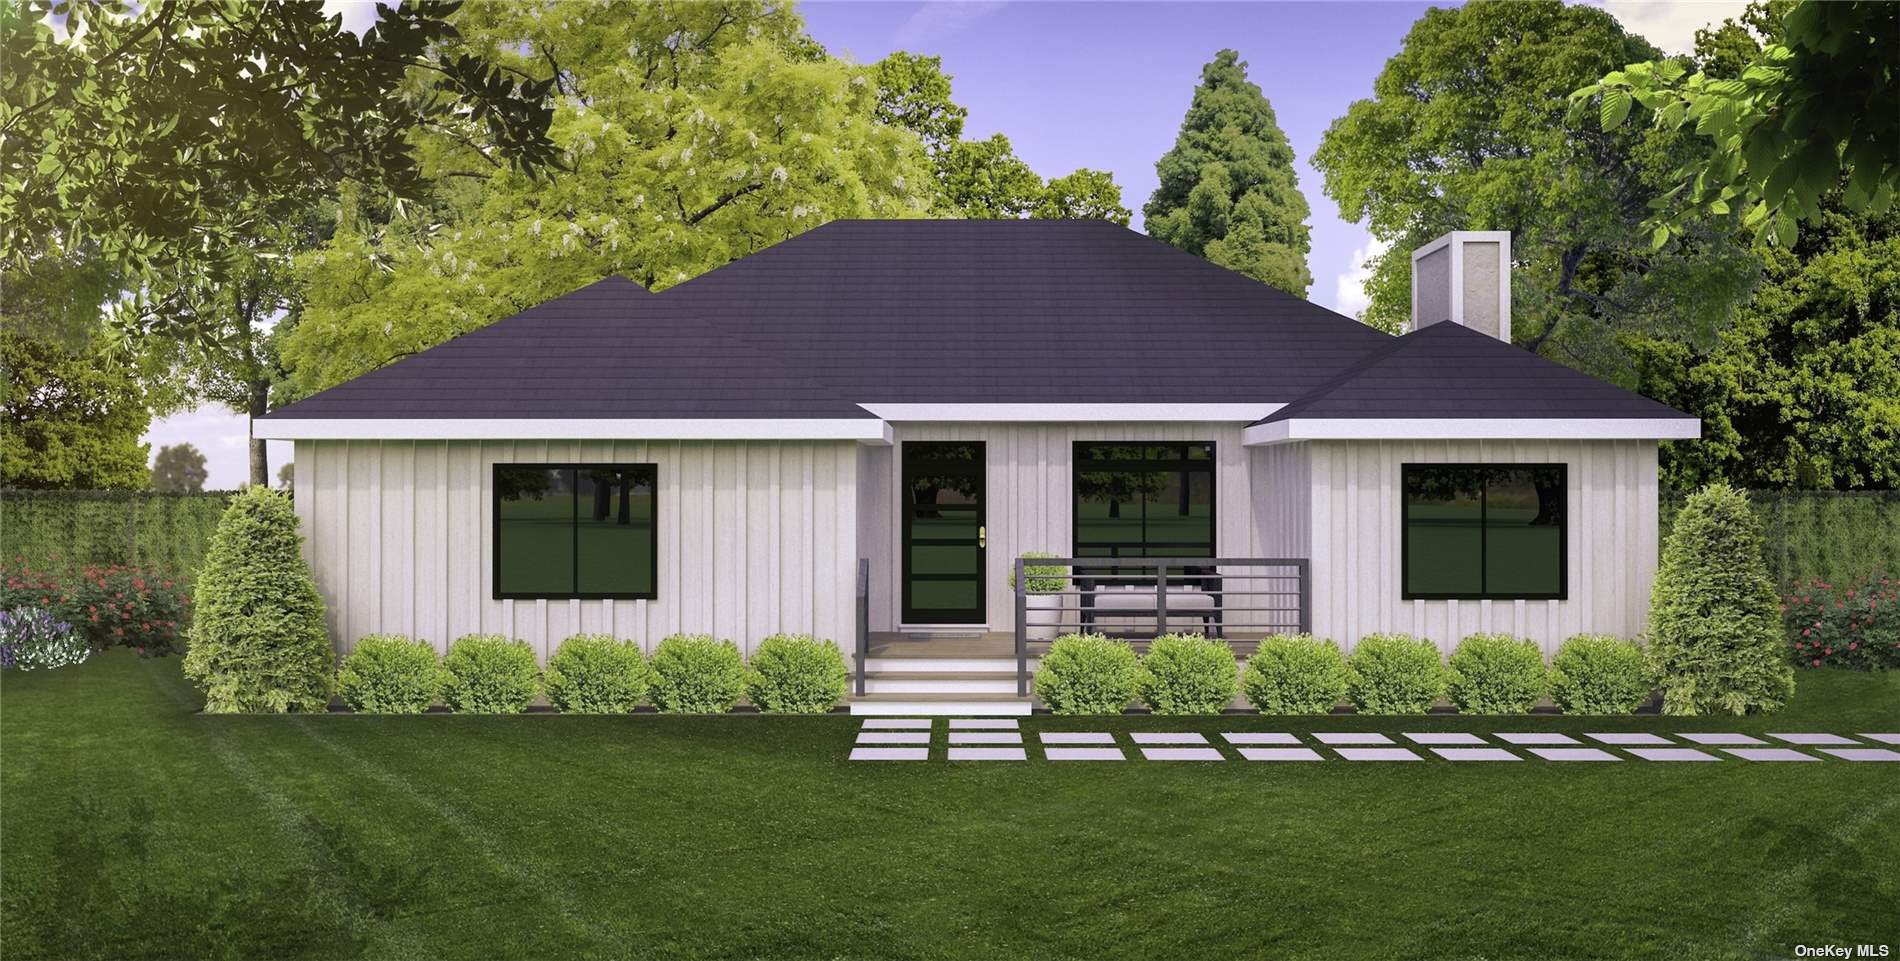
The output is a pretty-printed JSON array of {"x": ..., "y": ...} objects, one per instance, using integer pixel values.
[
  {"x": 1228, "y": 191},
  {"x": 1799, "y": 392},
  {"x": 1714, "y": 628},
  {"x": 1468, "y": 128},
  {"x": 127, "y": 124},
  {"x": 287, "y": 476},
  {"x": 1814, "y": 105},
  {"x": 258, "y": 643},
  {"x": 913, "y": 92},
  {"x": 179, "y": 468},
  {"x": 1083, "y": 195},
  {"x": 692, "y": 135},
  {"x": 983, "y": 179},
  {"x": 72, "y": 420}
]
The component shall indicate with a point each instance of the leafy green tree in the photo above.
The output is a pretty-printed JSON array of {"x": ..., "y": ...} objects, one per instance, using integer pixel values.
[
  {"x": 984, "y": 179},
  {"x": 913, "y": 92},
  {"x": 1800, "y": 391},
  {"x": 258, "y": 643},
  {"x": 179, "y": 468},
  {"x": 1468, "y": 128},
  {"x": 287, "y": 476},
  {"x": 1228, "y": 191},
  {"x": 1814, "y": 105},
  {"x": 128, "y": 127},
  {"x": 1083, "y": 195},
  {"x": 692, "y": 134},
  {"x": 72, "y": 419}
]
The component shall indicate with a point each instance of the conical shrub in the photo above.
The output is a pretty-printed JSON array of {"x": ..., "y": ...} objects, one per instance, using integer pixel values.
[
  {"x": 1714, "y": 621},
  {"x": 258, "y": 644}
]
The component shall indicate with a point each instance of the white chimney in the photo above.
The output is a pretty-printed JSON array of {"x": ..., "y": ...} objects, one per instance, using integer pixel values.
[{"x": 1464, "y": 277}]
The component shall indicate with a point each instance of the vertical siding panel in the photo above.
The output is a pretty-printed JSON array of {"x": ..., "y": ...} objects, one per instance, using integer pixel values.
[
  {"x": 397, "y": 539},
  {"x": 317, "y": 471},
  {"x": 361, "y": 601},
  {"x": 427, "y": 539}
]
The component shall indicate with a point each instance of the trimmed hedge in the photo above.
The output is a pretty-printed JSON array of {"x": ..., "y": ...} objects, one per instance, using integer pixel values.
[
  {"x": 1087, "y": 674},
  {"x": 1714, "y": 618},
  {"x": 258, "y": 642},
  {"x": 1599, "y": 674},
  {"x": 1295, "y": 674},
  {"x": 796, "y": 674},
  {"x": 1496, "y": 674},
  {"x": 697, "y": 674},
  {"x": 490, "y": 674},
  {"x": 1394, "y": 674},
  {"x": 1040, "y": 578},
  {"x": 390, "y": 674},
  {"x": 597, "y": 674},
  {"x": 1187, "y": 674}
]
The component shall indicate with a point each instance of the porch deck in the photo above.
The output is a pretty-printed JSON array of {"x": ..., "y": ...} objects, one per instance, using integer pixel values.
[{"x": 995, "y": 644}]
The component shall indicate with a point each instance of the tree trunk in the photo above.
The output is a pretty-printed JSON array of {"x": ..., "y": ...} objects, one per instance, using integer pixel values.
[{"x": 260, "y": 453}]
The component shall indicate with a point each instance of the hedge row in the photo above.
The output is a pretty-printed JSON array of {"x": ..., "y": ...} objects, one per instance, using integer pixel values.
[
  {"x": 1841, "y": 537},
  {"x": 1301, "y": 674},
  {"x": 168, "y": 533},
  {"x": 592, "y": 674}
]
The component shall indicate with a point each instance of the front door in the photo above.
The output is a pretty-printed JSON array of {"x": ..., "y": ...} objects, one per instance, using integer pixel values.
[{"x": 944, "y": 537}]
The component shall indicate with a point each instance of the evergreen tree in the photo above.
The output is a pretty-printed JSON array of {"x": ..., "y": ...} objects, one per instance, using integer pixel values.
[
  {"x": 178, "y": 468},
  {"x": 258, "y": 642},
  {"x": 1228, "y": 191}
]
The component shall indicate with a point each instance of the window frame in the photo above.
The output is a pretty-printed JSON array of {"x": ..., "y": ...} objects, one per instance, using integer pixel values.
[
  {"x": 494, "y": 551},
  {"x": 1484, "y": 534},
  {"x": 1190, "y": 465}
]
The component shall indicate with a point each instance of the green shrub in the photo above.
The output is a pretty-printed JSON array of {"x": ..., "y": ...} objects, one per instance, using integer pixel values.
[
  {"x": 1040, "y": 578},
  {"x": 1187, "y": 674},
  {"x": 33, "y": 638},
  {"x": 1854, "y": 626},
  {"x": 1394, "y": 674},
  {"x": 1496, "y": 674},
  {"x": 795, "y": 674},
  {"x": 490, "y": 674},
  {"x": 1087, "y": 674},
  {"x": 258, "y": 643},
  {"x": 1599, "y": 674},
  {"x": 597, "y": 674},
  {"x": 696, "y": 674},
  {"x": 1714, "y": 619},
  {"x": 390, "y": 674},
  {"x": 1295, "y": 674}
]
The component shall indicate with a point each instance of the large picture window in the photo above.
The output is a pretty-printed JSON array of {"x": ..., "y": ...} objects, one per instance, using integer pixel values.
[
  {"x": 575, "y": 531},
  {"x": 1485, "y": 531},
  {"x": 1144, "y": 500}
]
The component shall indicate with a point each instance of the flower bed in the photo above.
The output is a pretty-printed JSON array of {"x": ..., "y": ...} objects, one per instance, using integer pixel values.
[
  {"x": 115, "y": 606},
  {"x": 1853, "y": 626}
]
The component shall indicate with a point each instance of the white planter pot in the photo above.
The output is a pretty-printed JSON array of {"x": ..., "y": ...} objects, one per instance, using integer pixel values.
[{"x": 1042, "y": 613}]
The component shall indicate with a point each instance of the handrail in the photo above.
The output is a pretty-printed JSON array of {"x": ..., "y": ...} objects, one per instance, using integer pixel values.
[
  {"x": 1161, "y": 567},
  {"x": 864, "y": 620}
]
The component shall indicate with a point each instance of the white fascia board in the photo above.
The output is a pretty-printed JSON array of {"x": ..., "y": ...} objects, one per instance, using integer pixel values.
[
  {"x": 862, "y": 429},
  {"x": 1473, "y": 428},
  {"x": 1245, "y": 413}
]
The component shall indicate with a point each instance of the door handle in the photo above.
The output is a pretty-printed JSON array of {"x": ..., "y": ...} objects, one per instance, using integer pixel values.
[{"x": 983, "y": 537}]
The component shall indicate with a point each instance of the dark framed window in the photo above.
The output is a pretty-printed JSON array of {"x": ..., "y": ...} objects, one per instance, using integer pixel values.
[
  {"x": 1485, "y": 532},
  {"x": 565, "y": 531},
  {"x": 1144, "y": 500}
]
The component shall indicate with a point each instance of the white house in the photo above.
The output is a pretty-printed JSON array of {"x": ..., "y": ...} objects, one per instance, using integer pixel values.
[{"x": 858, "y": 432}]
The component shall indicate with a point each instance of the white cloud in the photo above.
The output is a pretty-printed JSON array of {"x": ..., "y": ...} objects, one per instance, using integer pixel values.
[
  {"x": 936, "y": 21},
  {"x": 1671, "y": 24},
  {"x": 1349, "y": 288}
]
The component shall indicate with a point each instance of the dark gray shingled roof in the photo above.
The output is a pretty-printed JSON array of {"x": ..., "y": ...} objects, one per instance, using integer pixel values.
[
  {"x": 607, "y": 350},
  {"x": 948, "y": 311},
  {"x": 1451, "y": 371}
]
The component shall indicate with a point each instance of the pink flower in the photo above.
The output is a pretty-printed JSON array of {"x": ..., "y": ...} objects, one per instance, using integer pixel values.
[
  {"x": 1817, "y": 662},
  {"x": 1854, "y": 645}
]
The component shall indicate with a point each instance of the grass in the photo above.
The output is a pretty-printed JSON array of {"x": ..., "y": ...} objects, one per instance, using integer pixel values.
[{"x": 134, "y": 827}]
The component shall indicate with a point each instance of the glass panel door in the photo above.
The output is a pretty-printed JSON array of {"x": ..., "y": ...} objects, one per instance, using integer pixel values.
[{"x": 943, "y": 533}]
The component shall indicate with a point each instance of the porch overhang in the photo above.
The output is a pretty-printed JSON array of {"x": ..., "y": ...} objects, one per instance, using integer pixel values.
[{"x": 1471, "y": 428}]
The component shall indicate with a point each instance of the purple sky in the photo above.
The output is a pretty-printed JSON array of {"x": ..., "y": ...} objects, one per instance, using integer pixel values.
[{"x": 1102, "y": 85}]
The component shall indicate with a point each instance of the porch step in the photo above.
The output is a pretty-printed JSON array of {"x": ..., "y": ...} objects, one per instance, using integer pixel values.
[
  {"x": 942, "y": 705},
  {"x": 908, "y": 663},
  {"x": 941, "y": 682}
]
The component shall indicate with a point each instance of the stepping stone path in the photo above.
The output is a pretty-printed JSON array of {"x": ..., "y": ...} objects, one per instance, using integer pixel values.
[
  {"x": 890, "y": 754},
  {"x": 1445, "y": 737},
  {"x": 1883, "y": 738},
  {"x": 1814, "y": 739},
  {"x": 1256, "y": 737},
  {"x": 1672, "y": 754},
  {"x": 1769, "y": 754},
  {"x": 894, "y": 737},
  {"x": 1077, "y": 737},
  {"x": 1280, "y": 754},
  {"x": 1183, "y": 737},
  {"x": 1719, "y": 739},
  {"x": 1084, "y": 754},
  {"x": 1863, "y": 753},
  {"x": 1377, "y": 754},
  {"x": 1352, "y": 737},
  {"x": 1537, "y": 737},
  {"x": 1574, "y": 754},
  {"x": 1475, "y": 754},
  {"x": 897, "y": 723},
  {"x": 988, "y": 754},
  {"x": 1628, "y": 739},
  {"x": 1181, "y": 754},
  {"x": 985, "y": 737},
  {"x": 982, "y": 724}
]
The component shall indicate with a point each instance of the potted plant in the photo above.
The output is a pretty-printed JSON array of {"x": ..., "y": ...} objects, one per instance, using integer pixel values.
[{"x": 1042, "y": 599}]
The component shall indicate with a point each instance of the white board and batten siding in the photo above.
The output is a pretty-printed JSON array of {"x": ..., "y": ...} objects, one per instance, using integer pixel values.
[
  {"x": 755, "y": 537},
  {"x": 1611, "y": 553}
]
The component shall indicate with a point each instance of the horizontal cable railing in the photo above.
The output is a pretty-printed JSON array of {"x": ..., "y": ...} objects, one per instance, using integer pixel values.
[{"x": 1061, "y": 595}]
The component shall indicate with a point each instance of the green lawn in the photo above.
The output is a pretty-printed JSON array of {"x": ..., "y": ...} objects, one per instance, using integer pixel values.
[{"x": 133, "y": 826}]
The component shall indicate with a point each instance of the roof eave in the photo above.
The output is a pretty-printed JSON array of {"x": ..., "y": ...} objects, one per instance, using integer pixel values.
[
  {"x": 865, "y": 430},
  {"x": 1294, "y": 429}
]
